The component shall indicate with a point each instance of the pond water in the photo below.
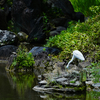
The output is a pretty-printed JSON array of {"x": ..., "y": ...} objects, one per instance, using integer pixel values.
[{"x": 18, "y": 86}]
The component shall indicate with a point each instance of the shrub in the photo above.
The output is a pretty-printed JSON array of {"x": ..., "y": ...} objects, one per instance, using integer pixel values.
[
  {"x": 23, "y": 59},
  {"x": 82, "y": 36}
]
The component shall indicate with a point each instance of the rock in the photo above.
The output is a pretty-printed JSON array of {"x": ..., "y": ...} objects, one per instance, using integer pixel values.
[
  {"x": 7, "y": 37},
  {"x": 89, "y": 82},
  {"x": 60, "y": 80},
  {"x": 46, "y": 50},
  {"x": 10, "y": 60},
  {"x": 57, "y": 31},
  {"x": 53, "y": 33},
  {"x": 79, "y": 17},
  {"x": 60, "y": 28},
  {"x": 60, "y": 21},
  {"x": 6, "y": 51},
  {"x": 43, "y": 82},
  {"x": 65, "y": 5},
  {"x": 60, "y": 65},
  {"x": 97, "y": 85},
  {"x": 42, "y": 56},
  {"x": 61, "y": 83},
  {"x": 37, "y": 88},
  {"x": 44, "y": 97},
  {"x": 36, "y": 34},
  {"x": 3, "y": 23},
  {"x": 2, "y": 2},
  {"x": 22, "y": 36},
  {"x": 25, "y": 13},
  {"x": 84, "y": 64}
]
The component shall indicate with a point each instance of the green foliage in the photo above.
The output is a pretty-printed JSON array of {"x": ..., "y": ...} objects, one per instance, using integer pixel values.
[
  {"x": 2, "y": 8},
  {"x": 44, "y": 49},
  {"x": 94, "y": 69},
  {"x": 82, "y": 36},
  {"x": 23, "y": 59},
  {"x": 95, "y": 10},
  {"x": 83, "y": 6}
]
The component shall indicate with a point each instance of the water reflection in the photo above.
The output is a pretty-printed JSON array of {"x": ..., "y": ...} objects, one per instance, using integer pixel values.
[
  {"x": 63, "y": 96},
  {"x": 21, "y": 81},
  {"x": 18, "y": 86}
]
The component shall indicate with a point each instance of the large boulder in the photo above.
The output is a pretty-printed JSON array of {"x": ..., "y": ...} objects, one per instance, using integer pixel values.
[
  {"x": 65, "y": 6},
  {"x": 25, "y": 12},
  {"x": 36, "y": 51},
  {"x": 42, "y": 56},
  {"x": 6, "y": 51},
  {"x": 7, "y": 37},
  {"x": 36, "y": 33}
]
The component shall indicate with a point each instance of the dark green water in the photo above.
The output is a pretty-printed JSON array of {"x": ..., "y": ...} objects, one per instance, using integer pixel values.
[{"x": 18, "y": 86}]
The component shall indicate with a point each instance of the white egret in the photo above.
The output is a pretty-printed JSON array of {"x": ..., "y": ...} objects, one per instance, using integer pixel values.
[{"x": 76, "y": 54}]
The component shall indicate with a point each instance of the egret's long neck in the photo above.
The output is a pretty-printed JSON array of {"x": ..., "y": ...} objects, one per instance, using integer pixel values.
[{"x": 70, "y": 61}]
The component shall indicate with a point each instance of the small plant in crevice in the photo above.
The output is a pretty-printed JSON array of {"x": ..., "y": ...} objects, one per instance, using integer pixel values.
[
  {"x": 10, "y": 25},
  {"x": 23, "y": 60},
  {"x": 45, "y": 21}
]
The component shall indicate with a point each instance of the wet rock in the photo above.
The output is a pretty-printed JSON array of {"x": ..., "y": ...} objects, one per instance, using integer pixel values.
[
  {"x": 6, "y": 51},
  {"x": 7, "y": 37},
  {"x": 37, "y": 88},
  {"x": 62, "y": 84}
]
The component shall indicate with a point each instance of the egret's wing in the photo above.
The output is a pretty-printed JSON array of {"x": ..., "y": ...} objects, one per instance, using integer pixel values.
[{"x": 78, "y": 55}]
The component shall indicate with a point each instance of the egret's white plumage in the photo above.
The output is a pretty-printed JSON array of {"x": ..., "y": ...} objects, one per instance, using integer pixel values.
[{"x": 76, "y": 54}]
